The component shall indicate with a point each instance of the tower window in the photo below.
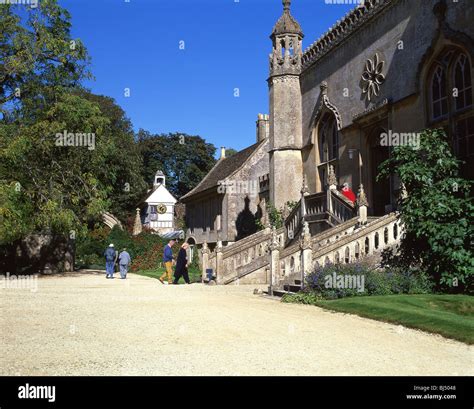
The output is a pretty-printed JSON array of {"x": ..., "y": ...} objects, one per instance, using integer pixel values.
[{"x": 283, "y": 48}]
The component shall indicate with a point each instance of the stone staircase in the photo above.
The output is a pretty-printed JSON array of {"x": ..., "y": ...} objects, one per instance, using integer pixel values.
[{"x": 322, "y": 228}]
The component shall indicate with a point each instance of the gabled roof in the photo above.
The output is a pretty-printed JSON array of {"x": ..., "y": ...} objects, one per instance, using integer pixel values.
[
  {"x": 160, "y": 195},
  {"x": 223, "y": 169}
]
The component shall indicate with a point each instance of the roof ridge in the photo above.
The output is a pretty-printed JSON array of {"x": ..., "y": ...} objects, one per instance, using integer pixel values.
[{"x": 242, "y": 152}]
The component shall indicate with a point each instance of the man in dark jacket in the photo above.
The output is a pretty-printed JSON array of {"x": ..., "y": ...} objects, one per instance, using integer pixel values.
[
  {"x": 110, "y": 258},
  {"x": 182, "y": 264},
  {"x": 168, "y": 261}
]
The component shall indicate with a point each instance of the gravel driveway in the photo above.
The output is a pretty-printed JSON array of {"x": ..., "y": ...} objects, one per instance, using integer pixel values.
[{"x": 83, "y": 324}]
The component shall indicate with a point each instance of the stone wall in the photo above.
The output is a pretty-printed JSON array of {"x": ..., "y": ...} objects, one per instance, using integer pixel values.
[
  {"x": 256, "y": 166},
  {"x": 38, "y": 254}
]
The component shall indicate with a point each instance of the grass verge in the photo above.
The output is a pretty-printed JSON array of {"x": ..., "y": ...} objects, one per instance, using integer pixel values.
[{"x": 449, "y": 315}]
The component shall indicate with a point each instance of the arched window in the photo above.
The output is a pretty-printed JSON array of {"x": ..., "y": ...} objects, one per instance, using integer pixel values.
[
  {"x": 328, "y": 146},
  {"x": 462, "y": 82},
  {"x": 439, "y": 97},
  {"x": 449, "y": 92},
  {"x": 328, "y": 139}
]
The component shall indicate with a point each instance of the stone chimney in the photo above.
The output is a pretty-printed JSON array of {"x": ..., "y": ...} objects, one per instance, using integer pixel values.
[
  {"x": 263, "y": 127},
  {"x": 222, "y": 153}
]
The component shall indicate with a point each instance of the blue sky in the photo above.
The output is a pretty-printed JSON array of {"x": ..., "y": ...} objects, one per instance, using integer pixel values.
[{"x": 136, "y": 45}]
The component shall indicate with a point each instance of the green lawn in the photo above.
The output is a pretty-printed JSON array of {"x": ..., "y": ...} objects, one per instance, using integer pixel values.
[
  {"x": 194, "y": 274},
  {"x": 449, "y": 315}
]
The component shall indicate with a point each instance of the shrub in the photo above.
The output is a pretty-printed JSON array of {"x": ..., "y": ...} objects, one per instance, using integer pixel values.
[
  {"x": 320, "y": 283},
  {"x": 437, "y": 212},
  {"x": 146, "y": 249}
]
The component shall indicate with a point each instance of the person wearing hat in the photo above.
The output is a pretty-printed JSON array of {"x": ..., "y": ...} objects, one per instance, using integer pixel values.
[
  {"x": 124, "y": 263},
  {"x": 110, "y": 257}
]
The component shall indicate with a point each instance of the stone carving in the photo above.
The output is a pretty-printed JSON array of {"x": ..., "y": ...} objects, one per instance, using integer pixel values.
[
  {"x": 332, "y": 180},
  {"x": 305, "y": 242},
  {"x": 304, "y": 187},
  {"x": 373, "y": 77},
  {"x": 274, "y": 244},
  {"x": 361, "y": 198},
  {"x": 205, "y": 248},
  {"x": 326, "y": 103}
]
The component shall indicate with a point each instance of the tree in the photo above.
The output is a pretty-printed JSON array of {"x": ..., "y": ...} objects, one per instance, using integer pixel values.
[
  {"x": 436, "y": 211},
  {"x": 38, "y": 59},
  {"x": 185, "y": 159},
  {"x": 123, "y": 173},
  {"x": 66, "y": 155},
  {"x": 230, "y": 152}
]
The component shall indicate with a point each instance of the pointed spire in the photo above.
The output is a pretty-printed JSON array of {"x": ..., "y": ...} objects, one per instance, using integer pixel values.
[
  {"x": 332, "y": 179},
  {"x": 304, "y": 187},
  {"x": 137, "y": 227},
  {"x": 361, "y": 197},
  {"x": 287, "y": 23}
]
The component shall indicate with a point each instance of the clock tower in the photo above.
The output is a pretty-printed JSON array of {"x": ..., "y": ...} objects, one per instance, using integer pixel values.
[{"x": 160, "y": 210}]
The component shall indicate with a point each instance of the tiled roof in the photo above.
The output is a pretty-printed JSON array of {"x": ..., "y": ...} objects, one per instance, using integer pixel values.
[{"x": 222, "y": 170}]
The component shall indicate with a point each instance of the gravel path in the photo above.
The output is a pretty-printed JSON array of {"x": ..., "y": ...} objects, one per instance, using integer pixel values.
[{"x": 83, "y": 324}]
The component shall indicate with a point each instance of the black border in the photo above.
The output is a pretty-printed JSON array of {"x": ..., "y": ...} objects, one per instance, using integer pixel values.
[{"x": 237, "y": 392}]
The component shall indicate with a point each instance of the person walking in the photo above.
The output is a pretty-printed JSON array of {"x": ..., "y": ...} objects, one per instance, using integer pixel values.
[
  {"x": 182, "y": 264},
  {"x": 124, "y": 263},
  {"x": 110, "y": 257},
  {"x": 168, "y": 260}
]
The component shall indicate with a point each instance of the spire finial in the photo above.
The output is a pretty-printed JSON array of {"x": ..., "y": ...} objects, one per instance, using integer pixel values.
[{"x": 286, "y": 5}]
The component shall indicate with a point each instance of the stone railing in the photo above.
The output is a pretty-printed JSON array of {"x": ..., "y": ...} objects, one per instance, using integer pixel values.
[
  {"x": 237, "y": 260},
  {"x": 363, "y": 241},
  {"x": 331, "y": 206},
  {"x": 340, "y": 209},
  {"x": 345, "y": 243}
]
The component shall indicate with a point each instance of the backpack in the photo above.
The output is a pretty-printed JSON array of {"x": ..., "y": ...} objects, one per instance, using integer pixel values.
[{"x": 110, "y": 254}]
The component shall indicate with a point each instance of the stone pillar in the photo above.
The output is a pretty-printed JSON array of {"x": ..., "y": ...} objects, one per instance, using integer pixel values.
[
  {"x": 306, "y": 253},
  {"x": 274, "y": 261},
  {"x": 304, "y": 192},
  {"x": 362, "y": 205},
  {"x": 137, "y": 226},
  {"x": 332, "y": 182},
  {"x": 219, "y": 262},
  {"x": 205, "y": 260}
]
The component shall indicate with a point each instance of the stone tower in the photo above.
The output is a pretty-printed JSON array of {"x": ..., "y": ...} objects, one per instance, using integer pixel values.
[{"x": 286, "y": 165}]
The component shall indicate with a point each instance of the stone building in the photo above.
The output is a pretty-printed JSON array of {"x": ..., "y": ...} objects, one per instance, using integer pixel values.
[
  {"x": 384, "y": 72},
  {"x": 390, "y": 66},
  {"x": 226, "y": 203}
]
